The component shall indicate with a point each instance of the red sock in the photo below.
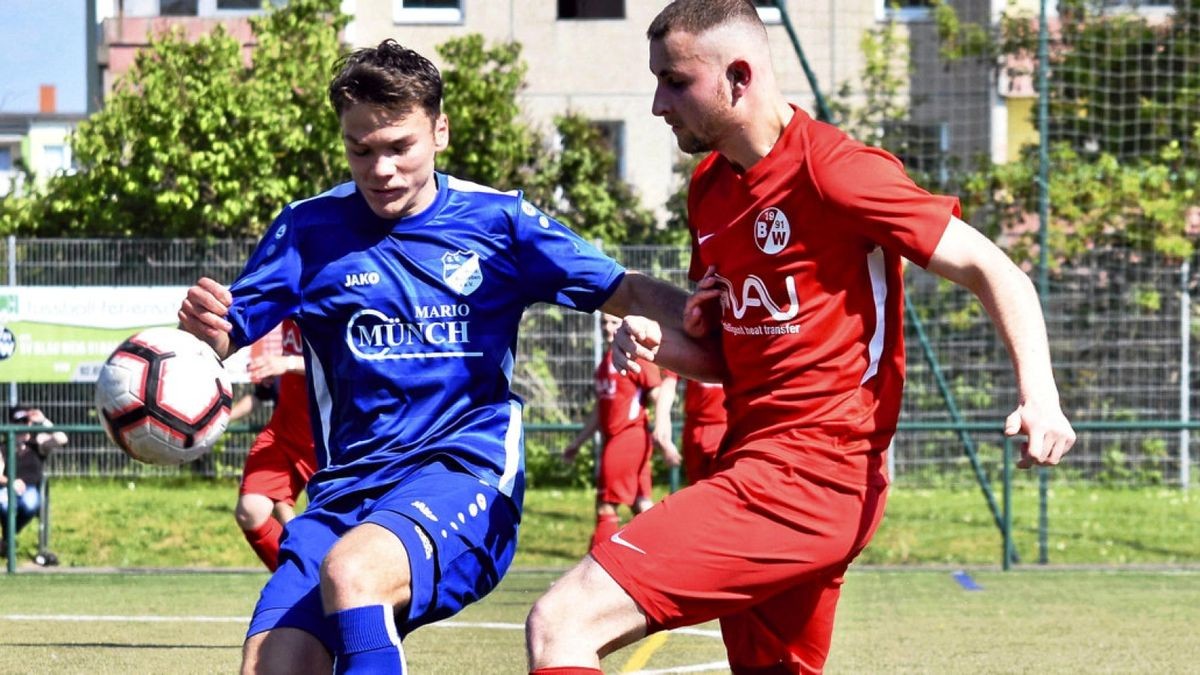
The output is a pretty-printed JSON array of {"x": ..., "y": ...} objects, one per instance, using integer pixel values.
[
  {"x": 567, "y": 670},
  {"x": 265, "y": 542},
  {"x": 606, "y": 525}
]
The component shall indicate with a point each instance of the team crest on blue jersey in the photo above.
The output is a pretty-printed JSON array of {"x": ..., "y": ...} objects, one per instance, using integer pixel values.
[{"x": 460, "y": 271}]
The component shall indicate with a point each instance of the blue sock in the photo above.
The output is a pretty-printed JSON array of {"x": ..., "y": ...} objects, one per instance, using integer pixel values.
[{"x": 369, "y": 641}]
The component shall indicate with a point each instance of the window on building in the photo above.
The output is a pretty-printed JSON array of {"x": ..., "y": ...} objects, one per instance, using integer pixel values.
[
  {"x": 1143, "y": 6},
  {"x": 904, "y": 10},
  {"x": 54, "y": 158},
  {"x": 427, "y": 11},
  {"x": 6, "y": 158},
  {"x": 768, "y": 11},
  {"x": 612, "y": 134},
  {"x": 178, "y": 7},
  {"x": 238, "y": 4},
  {"x": 591, "y": 9}
]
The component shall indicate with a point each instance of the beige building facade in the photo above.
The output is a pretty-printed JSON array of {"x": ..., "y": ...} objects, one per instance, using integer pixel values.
[{"x": 598, "y": 66}]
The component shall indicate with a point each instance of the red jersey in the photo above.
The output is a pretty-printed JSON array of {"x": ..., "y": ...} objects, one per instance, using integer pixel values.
[
  {"x": 619, "y": 397},
  {"x": 807, "y": 246},
  {"x": 290, "y": 418},
  {"x": 704, "y": 402}
]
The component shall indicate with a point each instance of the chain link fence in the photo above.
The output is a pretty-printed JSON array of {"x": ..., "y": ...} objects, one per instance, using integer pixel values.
[{"x": 1121, "y": 336}]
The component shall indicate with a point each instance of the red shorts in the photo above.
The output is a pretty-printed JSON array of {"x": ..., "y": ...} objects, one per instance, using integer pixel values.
[
  {"x": 278, "y": 467},
  {"x": 700, "y": 445},
  {"x": 762, "y": 544},
  {"x": 624, "y": 472}
]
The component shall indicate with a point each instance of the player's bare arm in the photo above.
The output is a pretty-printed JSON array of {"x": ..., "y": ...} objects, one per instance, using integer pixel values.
[
  {"x": 590, "y": 426},
  {"x": 971, "y": 260},
  {"x": 203, "y": 314},
  {"x": 655, "y": 329},
  {"x": 663, "y": 432}
]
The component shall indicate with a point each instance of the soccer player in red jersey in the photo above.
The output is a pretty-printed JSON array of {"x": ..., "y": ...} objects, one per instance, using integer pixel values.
[
  {"x": 282, "y": 458},
  {"x": 623, "y": 470},
  {"x": 798, "y": 235},
  {"x": 704, "y": 424}
]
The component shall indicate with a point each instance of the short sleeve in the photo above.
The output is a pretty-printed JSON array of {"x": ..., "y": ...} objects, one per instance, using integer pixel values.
[
  {"x": 880, "y": 200},
  {"x": 268, "y": 289},
  {"x": 558, "y": 266}
]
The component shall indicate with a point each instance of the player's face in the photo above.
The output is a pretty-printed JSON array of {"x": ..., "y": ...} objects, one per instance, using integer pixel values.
[
  {"x": 611, "y": 324},
  {"x": 391, "y": 156},
  {"x": 691, "y": 95}
]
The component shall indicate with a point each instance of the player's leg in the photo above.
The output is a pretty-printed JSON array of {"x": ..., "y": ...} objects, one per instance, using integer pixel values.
[
  {"x": 28, "y": 503},
  {"x": 584, "y": 617},
  {"x": 791, "y": 632},
  {"x": 302, "y": 464},
  {"x": 289, "y": 632},
  {"x": 645, "y": 493},
  {"x": 607, "y": 522},
  {"x": 624, "y": 470},
  {"x": 365, "y": 583},
  {"x": 284, "y": 651},
  {"x": 283, "y": 512},
  {"x": 265, "y": 481},
  {"x": 698, "y": 555},
  {"x": 437, "y": 542}
]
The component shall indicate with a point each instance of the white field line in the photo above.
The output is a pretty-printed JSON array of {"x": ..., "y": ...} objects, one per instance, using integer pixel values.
[{"x": 97, "y": 618}]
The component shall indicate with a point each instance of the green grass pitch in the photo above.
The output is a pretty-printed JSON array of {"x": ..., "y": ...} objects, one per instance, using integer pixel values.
[{"x": 890, "y": 621}]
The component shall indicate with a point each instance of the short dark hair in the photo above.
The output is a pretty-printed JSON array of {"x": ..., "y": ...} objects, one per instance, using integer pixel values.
[
  {"x": 389, "y": 75},
  {"x": 19, "y": 414},
  {"x": 697, "y": 16}
]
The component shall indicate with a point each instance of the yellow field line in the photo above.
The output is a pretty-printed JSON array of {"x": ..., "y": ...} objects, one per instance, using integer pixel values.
[{"x": 642, "y": 656}]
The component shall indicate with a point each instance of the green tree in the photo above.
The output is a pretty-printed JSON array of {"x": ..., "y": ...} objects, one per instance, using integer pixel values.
[
  {"x": 574, "y": 180},
  {"x": 490, "y": 143},
  {"x": 196, "y": 142}
]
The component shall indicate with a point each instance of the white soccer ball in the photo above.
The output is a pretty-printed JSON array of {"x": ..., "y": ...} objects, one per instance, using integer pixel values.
[{"x": 163, "y": 396}]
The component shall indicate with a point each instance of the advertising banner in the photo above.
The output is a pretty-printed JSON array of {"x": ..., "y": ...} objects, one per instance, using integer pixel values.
[{"x": 65, "y": 333}]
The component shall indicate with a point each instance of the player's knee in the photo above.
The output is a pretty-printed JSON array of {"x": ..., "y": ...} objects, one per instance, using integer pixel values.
[
  {"x": 252, "y": 511},
  {"x": 354, "y": 576},
  {"x": 560, "y": 615},
  {"x": 343, "y": 572}
]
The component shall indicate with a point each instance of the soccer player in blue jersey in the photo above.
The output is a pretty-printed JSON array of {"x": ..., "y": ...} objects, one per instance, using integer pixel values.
[{"x": 408, "y": 286}]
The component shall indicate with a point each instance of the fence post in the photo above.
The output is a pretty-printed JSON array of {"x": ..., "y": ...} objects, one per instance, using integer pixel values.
[
  {"x": 10, "y": 526},
  {"x": 1185, "y": 375},
  {"x": 1007, "y": 527},
  {"x": 13, "y": 392}
]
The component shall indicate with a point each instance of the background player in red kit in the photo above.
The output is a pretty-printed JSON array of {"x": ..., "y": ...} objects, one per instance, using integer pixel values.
[
  {"x": 704, "y": 424},
  {"x": 623, "y": 468},
  {"x": 798, "y": 234},
  {"x": 282, "y": 458}
]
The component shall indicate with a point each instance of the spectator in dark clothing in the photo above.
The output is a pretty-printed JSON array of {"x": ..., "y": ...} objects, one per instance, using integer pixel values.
[{"x": 32, "y": 450}]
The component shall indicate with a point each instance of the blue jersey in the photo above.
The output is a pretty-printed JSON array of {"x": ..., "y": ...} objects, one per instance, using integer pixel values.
[{"x": 410, "y": 325}]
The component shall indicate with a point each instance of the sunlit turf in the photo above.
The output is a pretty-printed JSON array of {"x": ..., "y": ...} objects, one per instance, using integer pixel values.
[
  {"x": 890, "y": 621},
  {"x": 162, "y": 523}
]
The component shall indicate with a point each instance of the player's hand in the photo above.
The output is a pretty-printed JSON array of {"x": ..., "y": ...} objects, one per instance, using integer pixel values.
[
  {"x": 203, "y": 314},
  {"x": 671, "y": 456},
  {"x": 266, "y": 367},
  {"x": 701, "y": 311},
  {"x": 663, "y": 439},
  {"x": 1050, "y": 434},
  {"x": 204, "y": 309},
  {"x": 637, "y": 338},
  {"x": 569, "y": 454}
]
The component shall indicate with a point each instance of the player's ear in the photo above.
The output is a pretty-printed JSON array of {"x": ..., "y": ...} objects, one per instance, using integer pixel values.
[
  {"x": 441, "y": 133},
  {"x": 739, "y": 75}
]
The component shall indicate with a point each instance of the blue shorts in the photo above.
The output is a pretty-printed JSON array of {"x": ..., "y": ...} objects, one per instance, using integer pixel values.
[{"x": 459, "y": 532}]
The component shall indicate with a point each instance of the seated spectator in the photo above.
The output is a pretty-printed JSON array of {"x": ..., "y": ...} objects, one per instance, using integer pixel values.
[{"x": 32, "y": 451}]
